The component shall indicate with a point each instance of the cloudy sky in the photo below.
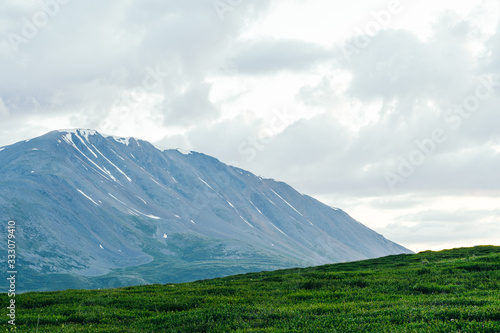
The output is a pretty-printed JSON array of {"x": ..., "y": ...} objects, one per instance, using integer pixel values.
[{"x": 386, "y": 109}]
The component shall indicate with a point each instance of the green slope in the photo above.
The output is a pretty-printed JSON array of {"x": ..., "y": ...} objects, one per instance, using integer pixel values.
[{"x": 449, "y": 291}]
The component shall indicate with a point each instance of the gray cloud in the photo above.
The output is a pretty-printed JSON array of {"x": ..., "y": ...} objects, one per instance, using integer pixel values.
[
  {"x": 228, "y": 139},
  {"x": 193, "y": 104},
  {"x": 398, "y": 65},
  {"x": 70, "y": 63},
  {"x": 268, "y": 56},
  {"x": 321, "y": 95}
]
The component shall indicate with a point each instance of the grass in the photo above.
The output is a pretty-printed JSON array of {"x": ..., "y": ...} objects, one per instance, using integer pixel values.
[{"x": 449, "y": 291}]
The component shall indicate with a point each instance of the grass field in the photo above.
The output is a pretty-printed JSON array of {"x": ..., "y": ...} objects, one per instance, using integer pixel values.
[{"x": 449, "y": 291}]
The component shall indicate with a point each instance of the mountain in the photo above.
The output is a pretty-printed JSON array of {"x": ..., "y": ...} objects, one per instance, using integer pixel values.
[{"x": 96, "y": 211}]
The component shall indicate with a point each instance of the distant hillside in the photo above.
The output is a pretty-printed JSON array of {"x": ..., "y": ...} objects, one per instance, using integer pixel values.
[
  {"x": 95, "y": 211},
  {"x": 449, "y": 291}
]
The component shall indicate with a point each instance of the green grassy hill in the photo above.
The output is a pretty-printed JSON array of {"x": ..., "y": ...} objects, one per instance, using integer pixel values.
[{"x": 449, "y": 291}]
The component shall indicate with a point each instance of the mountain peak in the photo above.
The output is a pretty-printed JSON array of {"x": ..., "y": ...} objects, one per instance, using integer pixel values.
[
  {"x": 121, "y": 139},
  {"x": 90, "y": 132},
  {"x": 80, "y": 131}
]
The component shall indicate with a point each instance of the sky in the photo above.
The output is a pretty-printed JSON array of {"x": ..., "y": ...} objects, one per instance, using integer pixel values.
[{"x": 386, "y": 109}]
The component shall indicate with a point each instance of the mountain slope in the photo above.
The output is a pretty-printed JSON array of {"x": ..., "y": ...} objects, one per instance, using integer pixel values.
[{"x": 95, "y": 211}]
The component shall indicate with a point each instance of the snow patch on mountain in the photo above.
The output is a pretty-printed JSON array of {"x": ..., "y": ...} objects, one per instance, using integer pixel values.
[
  {"x": 117, "y": 168},
  {"x": 123, "y": 141},
  {"x": 86, "y": 196},
  {"x": 79, "y": 131},
  {"x": 279, "y": 196},
  {"x": 184, "y": 151},
  {"x": 105, "y": 173}
]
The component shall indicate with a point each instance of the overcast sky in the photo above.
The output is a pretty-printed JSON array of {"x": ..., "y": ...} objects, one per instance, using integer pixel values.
[{"x": 386, "y": 109}]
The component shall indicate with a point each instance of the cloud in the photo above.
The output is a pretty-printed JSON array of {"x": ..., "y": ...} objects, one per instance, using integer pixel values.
[
  {"x": 228, "y": 139},
  {"x": 326, "y": 156},
  {"x": 193, "y": 105},
  {"x": 267, "y": 56},
  {"x": 396, "y": 64},
  {"x": 441, "y": 229},
  {"x": 4, "y": 111},
  {"x": 70, "y": 64},
  {"x": 458, "y": 216},
  {"x": 412, "y": 85},
  {"x": 395, "y": 203},
  {"x": 323, "y": 94}
]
